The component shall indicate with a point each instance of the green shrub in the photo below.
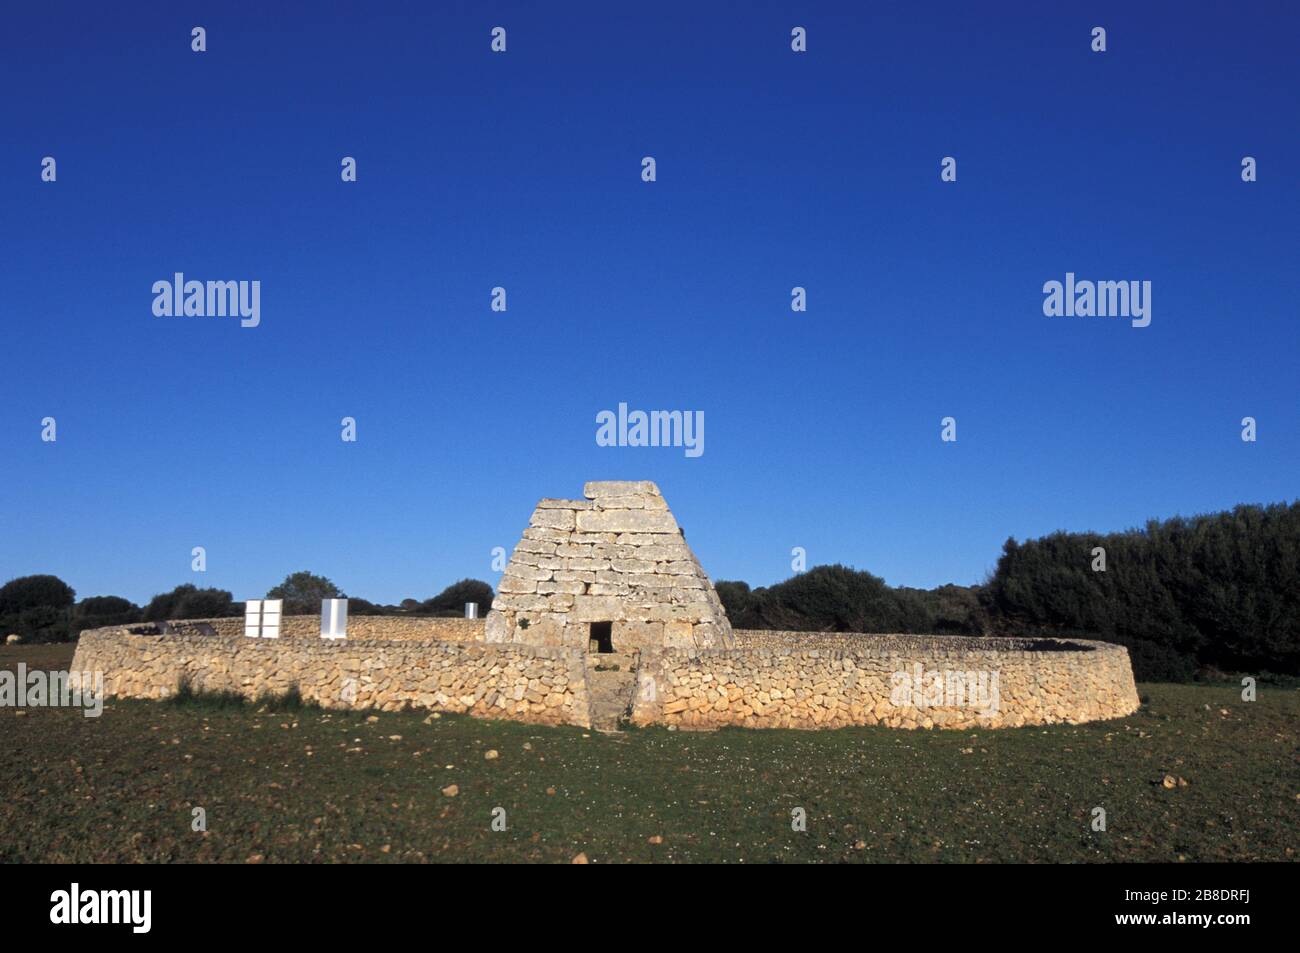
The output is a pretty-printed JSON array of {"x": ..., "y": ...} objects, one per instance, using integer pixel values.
[
  {"x": 303, "y": 593},
  {"x": 451, "y": 601},
  {"x": 1220, "y": 590},
  {"x": 96, "y": 612},
  {"x": 189, "y": 602},
  {"x": 38, "y": 608}
]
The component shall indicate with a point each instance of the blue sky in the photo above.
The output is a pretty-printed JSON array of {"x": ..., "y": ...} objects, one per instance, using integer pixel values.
[{"x": 522, "y": 170}]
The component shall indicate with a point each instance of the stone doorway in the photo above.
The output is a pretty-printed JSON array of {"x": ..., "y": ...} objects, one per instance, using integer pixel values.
[{"x": 602, "y": 638}]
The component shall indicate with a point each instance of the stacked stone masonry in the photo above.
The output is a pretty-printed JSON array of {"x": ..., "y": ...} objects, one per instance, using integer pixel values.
[
  {"x": 616, "y": 557},
  {"x": 519, "y": 682},
  {"x": 898, "y": 681},
  {"x": 604, "y": 614},
  {"x": 384, "y": 627},
  {"x": 794, "y": 680}
]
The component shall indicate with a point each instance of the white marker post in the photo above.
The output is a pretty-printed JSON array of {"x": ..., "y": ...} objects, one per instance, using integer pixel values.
[
  {"x": 334, "y": 618},
  {"x": 471, "y": 610},
  {"x": 271, "y": 618},
  {"x": 253, "y": 618}
]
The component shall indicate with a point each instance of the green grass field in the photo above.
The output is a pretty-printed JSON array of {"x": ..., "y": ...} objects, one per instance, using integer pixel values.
[{"x": 281, "y": 784}]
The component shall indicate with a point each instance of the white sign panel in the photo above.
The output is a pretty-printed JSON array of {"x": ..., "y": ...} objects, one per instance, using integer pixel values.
[
  {"x": 271, "y": 618},
  {"x": 334, "y": 618},
  {"x": 253, "y": 618}
]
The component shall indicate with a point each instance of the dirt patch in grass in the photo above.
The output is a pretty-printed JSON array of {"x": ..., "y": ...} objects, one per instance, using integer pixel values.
[{"x": 285, "y": 783}]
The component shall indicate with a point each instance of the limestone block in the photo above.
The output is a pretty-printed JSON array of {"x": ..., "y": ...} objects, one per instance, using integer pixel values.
[
  {"x": 640, "y": 636},
  {"x": 521, "y": 570},
  {"x": 597, "y": 609},
  {"x": 678, "y": 635},
  {"x": 622, "y": 502},
  {"x": 553, "y": 519},
  {"x": 497, "y": 627},
  {"x": 581, "y": 564},
  {"x": 542, "y": 547},
  {"x": 522, "y": 602},
  {"x": 627, "y": 521},
  {"x": 632, "y": 565},
  {"x": 678, "y": 568},
  {"x": 596, "y": 489}
]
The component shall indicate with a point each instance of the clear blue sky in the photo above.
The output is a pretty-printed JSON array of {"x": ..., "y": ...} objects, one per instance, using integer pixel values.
[{"x": 523, "y": 170}]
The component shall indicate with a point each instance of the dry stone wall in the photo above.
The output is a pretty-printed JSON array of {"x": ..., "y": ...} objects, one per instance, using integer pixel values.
[
  {"x": 776, "y": 680},
  {"x": 519, "y": 682},
  {"x": 382, "y": 627},
  {"x": 899, "y": 681}
]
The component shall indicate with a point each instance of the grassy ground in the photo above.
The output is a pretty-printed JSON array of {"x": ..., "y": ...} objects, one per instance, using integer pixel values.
[{"x": 299, "y": 784}]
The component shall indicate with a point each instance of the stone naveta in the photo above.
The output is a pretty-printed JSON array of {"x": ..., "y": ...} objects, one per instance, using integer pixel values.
[{"x": 613, "y": 569}]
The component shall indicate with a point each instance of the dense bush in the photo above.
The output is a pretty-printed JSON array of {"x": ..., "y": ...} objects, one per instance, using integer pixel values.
[
  {"x": 1219, "y": 591},
  {"x": 96, "y": 612},
  {"x": 303, "y": 593},
  {"x": 38, "y": 624},
  {"x": 451, "y": 601},
  {"x": 32, "y": 592},
  {"x": 188, "y": 602},
  {"x": 38, "y": 608},
  {"x": 840, "y": 599},
  {"x": 738, "y": 599}
]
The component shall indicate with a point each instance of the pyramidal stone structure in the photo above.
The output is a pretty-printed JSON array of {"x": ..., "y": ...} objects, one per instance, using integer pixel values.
[{"x": 610, "y": 573}]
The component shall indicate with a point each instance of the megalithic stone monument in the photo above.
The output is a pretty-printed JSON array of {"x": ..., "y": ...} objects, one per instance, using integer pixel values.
[{"x": 608, "y": 573}]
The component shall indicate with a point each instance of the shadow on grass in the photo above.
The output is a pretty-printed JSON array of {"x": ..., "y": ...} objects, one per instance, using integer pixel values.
[{"x": 188, "y": 697}]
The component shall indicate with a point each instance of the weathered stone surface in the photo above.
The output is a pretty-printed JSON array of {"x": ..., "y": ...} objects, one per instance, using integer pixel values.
[
  {"x": 519, "y": 569},
  {"x": 552, "y": 519},
  {"x": 632, "y": 565},
  {"x": 627, "y": 521},
  {"x": 539, "y": 546},
  {"x": 819, "y": 680},
  {"x": 774, "y": 679},
  {"x": 597, "y": 608},
  {"x": 678, "y": 635},
  {"x": 488, "y": 679},
  {"x": 596, "y": 489},
  {"x": 564, "y": 504},
  {"x": 635, "y": 636},
  {"x": 622, "y": 560},
  {"x": 495, "y": 629}
]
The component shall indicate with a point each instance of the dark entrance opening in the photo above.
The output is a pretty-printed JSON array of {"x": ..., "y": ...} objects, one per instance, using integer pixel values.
[{"x": 602, "y": 638}]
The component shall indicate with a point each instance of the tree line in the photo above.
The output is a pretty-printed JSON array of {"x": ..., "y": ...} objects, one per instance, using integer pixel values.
[
  {"x": 45, "y": 608},
  {"x": 1219, "y": 592}
]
